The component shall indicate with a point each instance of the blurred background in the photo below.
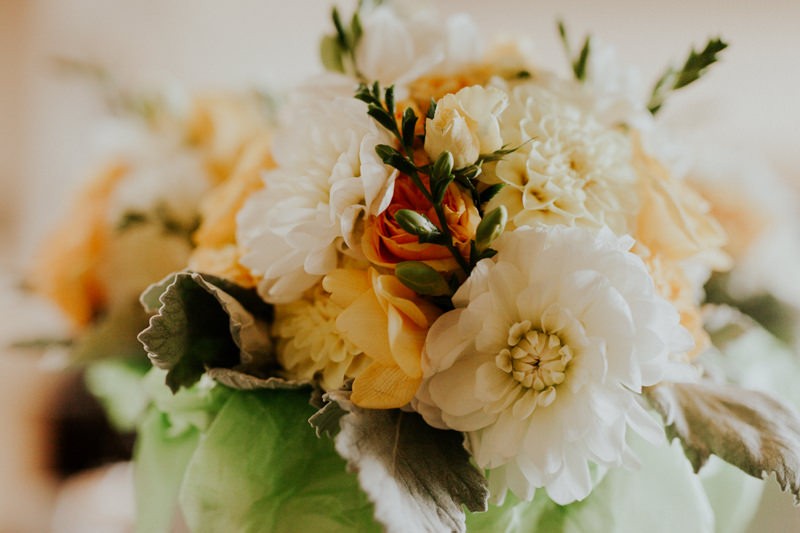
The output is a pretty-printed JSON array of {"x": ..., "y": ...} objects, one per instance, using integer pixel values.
[{"x": 48, "y": 131}]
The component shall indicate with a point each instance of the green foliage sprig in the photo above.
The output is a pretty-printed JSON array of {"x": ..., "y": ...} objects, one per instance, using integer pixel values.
[
  {"x": 580, "y": 61},
  {"x": 693, "y": 68},
  {"x": 338, "y": 51},
  {"x": 381, "y": 107}
]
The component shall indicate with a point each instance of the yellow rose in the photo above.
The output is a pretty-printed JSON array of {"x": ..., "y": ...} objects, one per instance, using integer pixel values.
[{"x": 388, "y": 322}]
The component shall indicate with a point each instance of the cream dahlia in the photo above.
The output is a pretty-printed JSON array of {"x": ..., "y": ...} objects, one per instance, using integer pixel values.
[
  {"x": 328, "y": 176},
  {"x": 544, "y": 357},
  {"x": 570, "y": 169}
]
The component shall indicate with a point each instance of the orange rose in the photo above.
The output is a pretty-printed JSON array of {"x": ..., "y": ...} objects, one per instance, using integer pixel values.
[{"x": 385, "y": 243}]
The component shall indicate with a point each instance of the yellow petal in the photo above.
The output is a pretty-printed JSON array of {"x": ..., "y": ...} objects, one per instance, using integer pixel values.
[
  {"x": 365, "y": 325},
  {"x": 383, "y": 387},
  {"x": 346, "y": 285},
  {"x": 406, "y": 341}
]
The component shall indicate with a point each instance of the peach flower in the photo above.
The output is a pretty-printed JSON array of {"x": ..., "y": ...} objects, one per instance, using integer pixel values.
[
  {"x": 385, "y": 243},
  {"x": 388, "y": 322},
  {"x": 67, "y": 267},
  {"x": 674, "y": 221}
]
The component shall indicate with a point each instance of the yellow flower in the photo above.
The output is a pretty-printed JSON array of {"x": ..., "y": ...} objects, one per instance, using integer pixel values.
[
  {"x": 66, "y": 271},
  {"x": 674, "y": 221},
  {"x": 388, "y": 322},
  {"x": 308, "y": 344}
]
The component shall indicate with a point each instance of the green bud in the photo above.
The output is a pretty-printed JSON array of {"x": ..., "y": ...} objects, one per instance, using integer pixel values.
[
  {"x": 422, "y": 278},
  {"x": 490, "y": 228},
  {"x": 443, "y": 166},
  {"x": 417, "y": 224}
]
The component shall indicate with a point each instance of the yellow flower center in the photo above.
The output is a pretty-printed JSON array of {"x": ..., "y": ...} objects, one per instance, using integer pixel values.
[{"x": 535, "y": 359}]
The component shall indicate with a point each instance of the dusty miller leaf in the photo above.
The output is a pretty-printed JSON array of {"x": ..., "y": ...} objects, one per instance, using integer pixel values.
[
  {"x": 242, "y": 381},
  {"x": 204, "y": 322},
  {"x": 748, "y": 429},
  {"x": 326, "y": 420},
  {"x": 417, "y": 476}
]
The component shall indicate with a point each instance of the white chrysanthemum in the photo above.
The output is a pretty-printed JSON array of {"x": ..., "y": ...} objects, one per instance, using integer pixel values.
[
  {"x": 328, "y": 175},
  {"x": 571, "y": 169},
  {"x": 404, "y": 40},
  {"x": 309, "y": 345},
  {"x": 543, "y": 358}
]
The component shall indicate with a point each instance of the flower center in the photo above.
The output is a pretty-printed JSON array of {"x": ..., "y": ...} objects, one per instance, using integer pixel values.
[{"x": 535, "y": 359}]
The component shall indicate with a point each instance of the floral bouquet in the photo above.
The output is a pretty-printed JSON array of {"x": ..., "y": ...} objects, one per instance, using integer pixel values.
[{"x": 441, "y": 289}]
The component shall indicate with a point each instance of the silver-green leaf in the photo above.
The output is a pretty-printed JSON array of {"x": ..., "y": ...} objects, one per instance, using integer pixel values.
[
  {"x": 749, "y": 429},
  {"x": 418, "y": 477}
]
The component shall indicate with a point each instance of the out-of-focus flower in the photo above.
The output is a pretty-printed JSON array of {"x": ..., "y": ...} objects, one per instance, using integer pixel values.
[
  {"x": 542, "y": 359},
  {"x": 386, "y": 243},
  {"x": 674, "y": 221},
  {"x": 388, "y": 322},
  {"x": 466, "y": 125},
  {"x": 402, "y": 41},
  {"x": 328, "y": 178},
  {"x": 222, "y": 126},
  {"x": 66, "y": 269}
]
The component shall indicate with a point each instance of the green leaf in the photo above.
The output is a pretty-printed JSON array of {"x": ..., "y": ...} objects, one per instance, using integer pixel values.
[
  {"x": 388, "y": 98},
  {"x": 693, "y": 68},
  {"x": 418, "y": 224},
  {"x": 160, "y": 461},
  {"x": 431, "y": 109},
  {"x": 491, "y": 227},
  {"x": 409, "y": 126},
  {"x": 259, "y": 467},
  {"x": 330, "y": 51},
  {"x": 422, "y": 278},
  {"x": 580, "y": 62},
  {"x": 201, "y": 325},
  {"x": 236, "y": 379},
  {"x": 418, "y": 477},
  {"x": 382, "y": 117},
  {"x": 748, "y": 429},
  {"x": 491, "y": 191},
  {"x": 579, "y": 66},
  {"x": 392, "y": 157},
  {"x": 326, "y": 420},
  {"x": 118, "y": 384}
]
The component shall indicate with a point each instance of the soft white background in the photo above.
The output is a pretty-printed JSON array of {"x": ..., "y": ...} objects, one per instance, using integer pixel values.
[{"x": 749, "y": 103}]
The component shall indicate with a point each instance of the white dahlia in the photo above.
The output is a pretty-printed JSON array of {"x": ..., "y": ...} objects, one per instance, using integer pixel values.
[
  {"x": 570, "y": 170},
  {"x": 544, "y": 357},
  {"x": 328, "y": 176},
  {"x": 405, "y": 40}
]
